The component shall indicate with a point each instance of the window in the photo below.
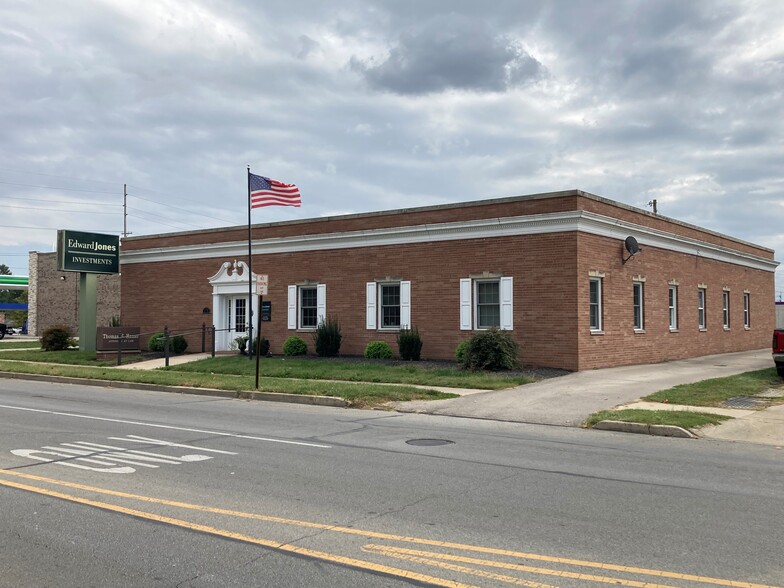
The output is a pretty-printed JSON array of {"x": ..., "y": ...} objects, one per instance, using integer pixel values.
[
  {"x": 701, "y": 321},
  {"x": 726, "y": 308},
  {"x": 639, "y": 323},
  {"x": 595, "y": 303},
  {"x": 673, "y": 305},
  {"x": 307, "y": 306},
  {"x": 746, "y": 310},
  {"x": 388, "y": 305},
  {"x": 240, "y": 304},
  {"x": 486, "y": 303}
]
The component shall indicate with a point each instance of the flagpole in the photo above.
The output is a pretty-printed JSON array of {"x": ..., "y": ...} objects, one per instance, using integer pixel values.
[{"x": 250, "y": 280}]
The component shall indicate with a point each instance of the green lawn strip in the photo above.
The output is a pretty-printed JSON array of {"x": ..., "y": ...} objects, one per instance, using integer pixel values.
[
  {"x": 69, "y": 356},
  {"x": 360, "y": 395},
  {"x": 679, "y": 418},
  {"x": 717, "y": 390},
  {"x": 6, "y": 344},
  {"x": 353, "y": 371}
]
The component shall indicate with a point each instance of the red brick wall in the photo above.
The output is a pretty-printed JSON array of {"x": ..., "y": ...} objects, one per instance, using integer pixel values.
[
  {"x": 543, "y": 267},
  {"x": 620, "y": 345}
]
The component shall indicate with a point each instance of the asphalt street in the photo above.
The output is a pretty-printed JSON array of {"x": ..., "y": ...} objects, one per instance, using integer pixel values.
[{"x": 135, "y": 488}]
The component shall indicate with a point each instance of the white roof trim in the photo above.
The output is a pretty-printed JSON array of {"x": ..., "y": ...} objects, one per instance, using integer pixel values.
[{"x": 559, "y": 222}]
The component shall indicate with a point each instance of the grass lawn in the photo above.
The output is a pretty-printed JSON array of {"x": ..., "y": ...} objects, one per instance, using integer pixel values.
[
  {"x": 10, "y": 344},
  {"x": 362, "y": 383},
  {"x": 359, "y": 395},
  {"x": 679, "y": 418},
  {"x": 354, "y": 371},
  {"x": 70, "y": 357},
  {"x": 715, "y": 391}
]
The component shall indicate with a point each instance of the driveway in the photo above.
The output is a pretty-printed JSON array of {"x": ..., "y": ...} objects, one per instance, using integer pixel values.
[{"x": 569, "y": 400}]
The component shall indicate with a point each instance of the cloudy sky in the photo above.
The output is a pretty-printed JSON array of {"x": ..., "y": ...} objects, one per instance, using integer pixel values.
[{"x": 372, "y": 105}]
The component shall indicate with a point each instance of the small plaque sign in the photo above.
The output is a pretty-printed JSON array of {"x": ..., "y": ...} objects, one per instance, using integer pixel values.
[{"x": 108, "y": 338}]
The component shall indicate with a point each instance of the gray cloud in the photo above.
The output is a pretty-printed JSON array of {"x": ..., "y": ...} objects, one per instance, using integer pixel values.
[{"x": 450, "y": 52}]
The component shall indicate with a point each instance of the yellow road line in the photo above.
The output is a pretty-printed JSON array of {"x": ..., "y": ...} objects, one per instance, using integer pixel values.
[
  {"x": 391, "y": 537},
  {"x": 329, "y": 557},
  {"x": 422, "y": 556},
  {"x": 465, "y": 570}
]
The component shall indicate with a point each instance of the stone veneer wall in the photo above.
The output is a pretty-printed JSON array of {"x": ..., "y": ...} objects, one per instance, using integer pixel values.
[{"x": 53, "y": 296}]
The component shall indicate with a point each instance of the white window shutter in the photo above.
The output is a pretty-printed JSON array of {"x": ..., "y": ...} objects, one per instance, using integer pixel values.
[
  {"x": 506, "y": 304},
  {"x": 292, "y": 308},
  {"x": 405, "y": 305},
  {"x": 370, "y": 305},
  {"x": 321, "y": 303},
  {"x": 465, "y": 304}
]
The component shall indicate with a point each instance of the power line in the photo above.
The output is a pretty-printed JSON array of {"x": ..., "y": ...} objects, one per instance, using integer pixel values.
[
  {"x": 39, "y": 228},
  {"x": 87, "y": 202},
  {"x": 183, "y": 209},
  {"x": 19, "y": 171},
  {"x": 56, "y": 188},
  {"x": 58, "y": 210},
  {"x": 165, "y": 224}
]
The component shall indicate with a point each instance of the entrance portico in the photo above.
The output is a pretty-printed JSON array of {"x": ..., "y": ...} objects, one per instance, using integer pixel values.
[{"x": 230, "y": 303}]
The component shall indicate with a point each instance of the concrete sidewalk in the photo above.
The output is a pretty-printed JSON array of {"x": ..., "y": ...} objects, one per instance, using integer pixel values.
[
  {"x": 154, "y": 364},
  {"x": 569, "y": 400}
]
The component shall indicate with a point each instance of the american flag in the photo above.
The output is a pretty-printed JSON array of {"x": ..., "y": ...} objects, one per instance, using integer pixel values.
[{"x": 267, "y": 192}]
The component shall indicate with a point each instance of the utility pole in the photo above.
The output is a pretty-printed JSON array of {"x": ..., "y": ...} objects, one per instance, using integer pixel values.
[{"x": 125, "y": 211}]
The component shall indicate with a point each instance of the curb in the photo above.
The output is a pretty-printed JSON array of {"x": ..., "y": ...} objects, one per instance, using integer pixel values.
[
  {"x": 645, "y": 429},
  {"x": 241, "y": 394}
]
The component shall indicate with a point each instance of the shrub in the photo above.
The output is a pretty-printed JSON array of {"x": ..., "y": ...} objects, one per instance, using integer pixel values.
[
  {"x": 57, "y": 338},
  {"x": 177, "y": 343},
  {"x": 460, "y": 350},
  {"x": 294, "y": 346},
  {"x": 409, "y": 344},
  {"x": 491, "y": 350},
  {"x": 378, "y": 350},
  {"x": 327, "y": 338},
  {"x": 264, "y": 349},
  {"x": 156, "y": 342}
]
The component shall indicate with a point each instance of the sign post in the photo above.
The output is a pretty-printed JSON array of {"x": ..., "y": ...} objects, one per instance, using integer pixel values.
[
  {"x": 262, "y": 286},
  {"x": 88, "y": 254}
]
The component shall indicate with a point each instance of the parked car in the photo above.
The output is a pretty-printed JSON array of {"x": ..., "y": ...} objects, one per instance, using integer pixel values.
[
  {"x": 3, "y": 329},
  {"x": 778, "y": 351}
]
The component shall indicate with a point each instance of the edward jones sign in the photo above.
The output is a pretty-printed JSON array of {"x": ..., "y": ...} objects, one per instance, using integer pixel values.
[{"x": 88, "y": 252}]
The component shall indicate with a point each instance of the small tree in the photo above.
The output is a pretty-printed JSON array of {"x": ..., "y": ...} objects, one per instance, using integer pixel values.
[
  {"x": 327, "y": 338},
  {"x": 409, "y": 344}
]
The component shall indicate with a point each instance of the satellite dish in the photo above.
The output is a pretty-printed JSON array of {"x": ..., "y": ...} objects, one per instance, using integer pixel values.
[{"x": 632, "y": 247}]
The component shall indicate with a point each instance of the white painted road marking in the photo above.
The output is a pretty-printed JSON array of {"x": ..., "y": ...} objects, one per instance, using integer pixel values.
[
  {"x": 108, "y": 457},
  {"x": 171, "y": 427}
]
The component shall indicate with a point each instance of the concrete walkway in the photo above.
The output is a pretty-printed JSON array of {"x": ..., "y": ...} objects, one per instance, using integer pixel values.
[{"x": 569, "y": 400}]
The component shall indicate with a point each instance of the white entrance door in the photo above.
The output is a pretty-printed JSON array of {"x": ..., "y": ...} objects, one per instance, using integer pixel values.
[{"x": 237, "y": 317}]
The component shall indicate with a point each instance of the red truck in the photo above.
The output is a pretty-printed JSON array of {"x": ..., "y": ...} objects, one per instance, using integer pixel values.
[{"x": 778, "y": 351}]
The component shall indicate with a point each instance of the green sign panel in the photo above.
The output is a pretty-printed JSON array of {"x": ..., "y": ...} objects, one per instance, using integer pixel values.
[{"x": 88, "y": 252}]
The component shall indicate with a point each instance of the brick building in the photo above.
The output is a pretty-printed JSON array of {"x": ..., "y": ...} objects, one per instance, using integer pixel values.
[
  {"x": 53, "y": 296},
  {"x": 551, "y": 268}
]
